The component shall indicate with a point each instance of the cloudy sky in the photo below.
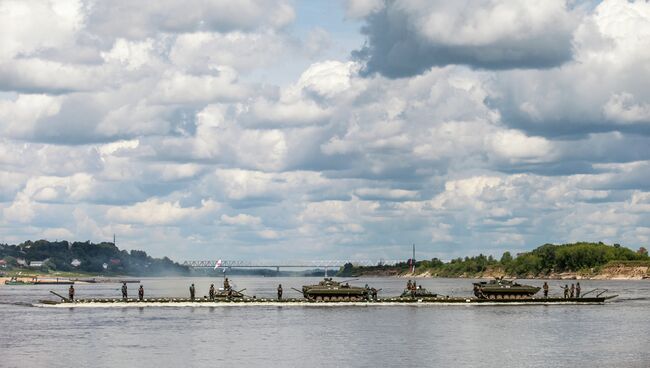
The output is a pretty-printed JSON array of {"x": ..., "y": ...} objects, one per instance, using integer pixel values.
[{"x": 325, "y": 129}]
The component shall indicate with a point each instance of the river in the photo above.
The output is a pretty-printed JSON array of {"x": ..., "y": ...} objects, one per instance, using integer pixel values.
[{"x": 615, "y": 334}]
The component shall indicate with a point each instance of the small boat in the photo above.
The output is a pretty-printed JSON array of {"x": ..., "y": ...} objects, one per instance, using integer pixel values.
[
  {"x": 15, "y": 281},
  {"x": 50, "y": 281},
  {"x": 53, "y": 282}
]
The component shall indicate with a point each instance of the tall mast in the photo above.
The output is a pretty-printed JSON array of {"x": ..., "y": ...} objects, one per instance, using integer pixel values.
[{"x": 413, "y": 259}]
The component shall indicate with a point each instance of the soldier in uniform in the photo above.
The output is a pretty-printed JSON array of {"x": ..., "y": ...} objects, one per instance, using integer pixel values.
[
  {"x": 141, "y": 293},
  {"x": 226, "y": 284},
  {"x": 211, "y": 292},
  {"x": 572, "y": 290},
  {"x": 577, "y": 289},
  {"x": 408, "y": 285},
  {"x": 71, "y": 293},
  {"x": 280, "y": 292},
  {"x": 545, "y": 288},
  {"x": 124, "y": 291},
  {"x": 566, "y": 291},
  {"x": 192, "y": 291}
]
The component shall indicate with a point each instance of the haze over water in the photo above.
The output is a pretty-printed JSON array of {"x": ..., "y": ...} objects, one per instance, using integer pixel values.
[{"x": 614, "y": 334}]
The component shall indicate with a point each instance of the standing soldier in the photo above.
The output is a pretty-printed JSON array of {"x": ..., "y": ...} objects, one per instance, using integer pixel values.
[
  {"x": 211, "y": 292},
  {"x": 141, "y": 293},
  {"x": 577, "y": 290},
  {"x": 280, "y": 292},
  {"x": 566, "y": 291},
  {"x": 71, "y": 293},
  {"x": 124, "y": 291},
  {"x": 226, "y": 284},
  {"x": 545, "y": 287},
  {"x": 192, "y": 290},
  {"x": 573, "y": 290},
  {"x": 408, "y": 285}
]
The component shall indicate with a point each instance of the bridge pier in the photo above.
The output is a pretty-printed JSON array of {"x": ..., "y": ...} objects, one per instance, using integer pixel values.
[{"x": 277, "y": 271}]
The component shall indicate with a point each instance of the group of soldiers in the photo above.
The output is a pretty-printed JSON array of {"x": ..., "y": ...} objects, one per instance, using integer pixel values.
[
  {"x": 411, "y": 285},
  {"x": 573, "y": 292},
  {"x": 569, "y": 292},
  {"x": 125, "y": 292}
]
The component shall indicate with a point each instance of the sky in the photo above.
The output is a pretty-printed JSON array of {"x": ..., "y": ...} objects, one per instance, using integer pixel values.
[{"x": 286, "y": 129}]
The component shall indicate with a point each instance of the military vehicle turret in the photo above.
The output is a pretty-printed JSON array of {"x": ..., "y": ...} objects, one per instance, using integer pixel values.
[
  {"x": 330, "y": 290},
  {"x": 503, "y": 289}
]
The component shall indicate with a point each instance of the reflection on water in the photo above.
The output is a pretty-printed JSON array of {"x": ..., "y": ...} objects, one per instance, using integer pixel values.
[{"x": 615, "y": 334}]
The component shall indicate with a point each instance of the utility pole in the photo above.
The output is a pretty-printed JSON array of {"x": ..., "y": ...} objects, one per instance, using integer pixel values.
[
  {"x": 116, "y": 244},
  {"x": 413, "y": 259}
]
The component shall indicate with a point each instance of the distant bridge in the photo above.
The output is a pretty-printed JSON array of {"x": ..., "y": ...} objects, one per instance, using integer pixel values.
[{"x": 290, "y": 263}]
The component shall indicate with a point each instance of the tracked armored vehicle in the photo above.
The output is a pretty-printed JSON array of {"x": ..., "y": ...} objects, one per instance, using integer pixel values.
[
  {"x": 330, "y": 290},
  {"x": 503, "y": 289},
  {"x": 418, "y": 292},
  {"x": 228, "y": 294}
]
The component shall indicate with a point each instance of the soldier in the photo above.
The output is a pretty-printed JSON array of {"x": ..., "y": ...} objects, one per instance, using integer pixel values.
[
  {"x": 71, "y": 293},
  {"x": 192, "y": 290},
  {"x": 408, "y": 285},
  {"x": 211, "y": 292},
  {"x": 226, "y": 284},
  {"x": 573, "y": 290},
  {"x": 545, "y": 288},
  {"x": 124, "y": 291},
  {"x": 280, "y": 292},
  {"x": 141, "y": 293},
  {"x": 374, "y": 293},
  {"x": 566, "y": 291},
  {"x": 414, "y": 286},
  {"x": 577, "y": 289}
]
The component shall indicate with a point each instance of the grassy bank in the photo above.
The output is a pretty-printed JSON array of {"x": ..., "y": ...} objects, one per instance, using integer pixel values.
[{"x": 547, "y": 261}]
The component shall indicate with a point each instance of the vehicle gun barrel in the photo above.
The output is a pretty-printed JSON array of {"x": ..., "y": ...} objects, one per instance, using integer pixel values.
[{"x": 60, "y": 296}]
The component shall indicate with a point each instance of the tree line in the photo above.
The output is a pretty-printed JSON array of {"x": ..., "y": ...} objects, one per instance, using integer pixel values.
[
  {"x": 541, "y": 261},
  {"x": 97, "y": 258}
]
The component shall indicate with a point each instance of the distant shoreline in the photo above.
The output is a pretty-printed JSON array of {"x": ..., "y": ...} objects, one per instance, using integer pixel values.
[{"x": 612, "y": 272}]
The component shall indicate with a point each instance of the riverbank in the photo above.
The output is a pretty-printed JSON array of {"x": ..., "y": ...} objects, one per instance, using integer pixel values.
[{"x": 623, "y": 270}]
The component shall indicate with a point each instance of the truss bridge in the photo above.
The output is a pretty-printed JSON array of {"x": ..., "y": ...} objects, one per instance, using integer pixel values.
[{"x": 288, "y": 263}]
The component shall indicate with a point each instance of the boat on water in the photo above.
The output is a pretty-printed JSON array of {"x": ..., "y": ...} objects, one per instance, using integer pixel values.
[
  {"x": 16, "y": 281},
  {"x": 56, "y": 281}
]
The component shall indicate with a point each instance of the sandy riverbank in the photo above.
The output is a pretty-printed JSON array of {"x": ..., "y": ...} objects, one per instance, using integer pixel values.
[{"x": 612, "y": 272}]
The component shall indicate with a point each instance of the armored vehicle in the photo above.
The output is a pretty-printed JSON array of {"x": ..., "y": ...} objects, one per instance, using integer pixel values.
[
  {"x": 330, "y": 290},
  {"x": 503, "y": 289},
  {"x": 418, "y": 292},
  {"x": 228, "y": 294}
]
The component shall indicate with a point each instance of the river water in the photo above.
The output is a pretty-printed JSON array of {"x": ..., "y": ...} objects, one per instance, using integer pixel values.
[{"x": 616, "y": 334}]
